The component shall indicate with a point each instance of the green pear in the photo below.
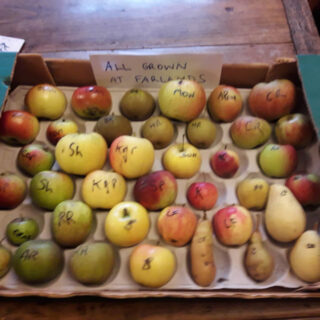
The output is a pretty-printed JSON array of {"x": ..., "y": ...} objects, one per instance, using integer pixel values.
[
  {"x": 92, "y": 263},
  {"x": 5, "y": 260},
  {"x": 38, "y": 261},
  {"x": 71, "y": 223},
  {"x": 258, "y": 260},
  {"x": 285, "y": 218},
  {"x": 21, "y": 230},
  {"x": 305, "y": 256},
  {"x": 201, "y": 132}
]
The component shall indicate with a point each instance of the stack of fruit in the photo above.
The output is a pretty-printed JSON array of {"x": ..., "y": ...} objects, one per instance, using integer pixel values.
[{"x": 111, "y": 171}]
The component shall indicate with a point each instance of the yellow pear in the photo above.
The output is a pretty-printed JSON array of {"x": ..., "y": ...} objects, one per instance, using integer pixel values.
[
  {"x": 285, "y": 218},
  {"x": 305, "y": 257}
]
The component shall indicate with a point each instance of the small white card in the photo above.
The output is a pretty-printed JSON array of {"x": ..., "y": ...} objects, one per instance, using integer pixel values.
[
  {"x": 151, "y": 71},
  {"x": 8, "y": 44}
]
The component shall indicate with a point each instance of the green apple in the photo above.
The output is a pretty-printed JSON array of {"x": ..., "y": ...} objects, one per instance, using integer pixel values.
[
  {"x": 21, "y": 230},
  {"x": 49, "y": 188},
  {"x": 201, "y": 132}
]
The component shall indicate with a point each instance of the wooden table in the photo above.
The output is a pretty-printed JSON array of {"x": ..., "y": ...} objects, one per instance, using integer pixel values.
[{"x": 245, "y": 31}]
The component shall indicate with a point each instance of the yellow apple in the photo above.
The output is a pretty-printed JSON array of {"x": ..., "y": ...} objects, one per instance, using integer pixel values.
[
  {"x": 81, "y": 153},
  {"x": 102, "y": 189},
  {"x": 46, "y": 101},
  {"x": 152, "y": 266},
  {"x": 130, "y": 156},
  {"x": 183, "y": 160},
  {"x": 127, "y": 224}
]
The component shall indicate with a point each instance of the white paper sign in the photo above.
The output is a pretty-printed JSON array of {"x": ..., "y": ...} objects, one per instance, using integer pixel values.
[
  {"x": 151, "y": 71},
  {"x": 8, "y": 44}
]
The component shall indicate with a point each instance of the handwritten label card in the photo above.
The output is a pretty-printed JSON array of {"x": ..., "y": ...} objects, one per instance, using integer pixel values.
[
  {"x": 8, "y": 44},
  {"x": 151, "y": 71}
]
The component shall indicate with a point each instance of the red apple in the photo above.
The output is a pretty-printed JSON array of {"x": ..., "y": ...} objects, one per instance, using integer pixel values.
[
  {"x": 34, "y": 158},
  {"x": 202, "y": 195},
  {"x": 224, "y": 103},
  {"x": 91, "y": 102},
  {"x": 225, "y": 163},
  {"x": 13, "y": 190},
  {"x": 18, "y": 127},
  {"x": 272, "y": 100},
  {"x": 305, "y": 187},
  {"x": 59, "y": 128},
  {"x": 295, "y": 129},
  {"x": 232, "y": 225},
  {"x": 176, "y": 225},
  {"x": 156, "y": 190}
]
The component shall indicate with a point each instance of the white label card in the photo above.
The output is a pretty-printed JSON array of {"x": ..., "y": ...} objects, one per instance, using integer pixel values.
[
  {"x": 8, "y": 44},
  {"x": 151, "y": 71}
]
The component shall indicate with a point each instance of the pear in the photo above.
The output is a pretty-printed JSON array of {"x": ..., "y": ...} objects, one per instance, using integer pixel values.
[
  {"x": 285, "y": 218},
  {"x": 258, "y": 260},
  {"x": 304, "y": 257},
  {"x": 5, "y": 260}
]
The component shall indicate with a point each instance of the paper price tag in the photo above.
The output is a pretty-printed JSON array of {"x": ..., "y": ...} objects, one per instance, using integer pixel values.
[{"x": 8, "y": 44}]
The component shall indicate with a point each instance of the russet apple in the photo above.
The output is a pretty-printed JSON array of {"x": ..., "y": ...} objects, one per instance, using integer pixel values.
[
  {"x": 34, "y": 158},
  {"x": 305, "y": 187},
  {"x": 127, "y": 224},
  {"x": 131, "y": 157},
  {"x": 49, "y": 188},
  {"x": 272, "y": 100},
  {"x": 249, "y": 132},
  {"x": 232, "y": 225},
  {"x": 182, "y": 100},
  {"x": 156, "y": 190},
  {"x": 152, "y": 266},
  {"x": 278, "y": 161},
  {"x": 176, "y": 225},
  {"x": 183, "y": 160},
  {"x": 295, "y": 129},
  {"x": 46, "y": 101},
  {"x": 81, "y": 153},
  {"x": 13, "y": 190},
  {"x": 202, "y": 195},
  {"x": 18, "y": 127},
  {"x": 201, "y": 132},
  {"x": 103, "y": 189},
  {"x": 91, "y": 102},
  {"x": 59, "y": 128},
  {"x": 225, "y": 163},
  {"x": 224, "y": 103}
]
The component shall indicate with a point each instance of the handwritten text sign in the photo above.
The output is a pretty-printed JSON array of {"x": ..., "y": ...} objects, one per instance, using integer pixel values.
[
  {"x": 151, "y": 71},
  {"x": 8, "y": 44}
]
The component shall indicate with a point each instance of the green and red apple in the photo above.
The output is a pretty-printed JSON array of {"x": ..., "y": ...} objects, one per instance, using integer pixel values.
[
  {"x": 5, "y": 260},
  {"x": 202, "y": 195},
  {"x": 60, "y": 128},
  {"x": 225, "y": 163},
  {"x": 18, "y": 127}
]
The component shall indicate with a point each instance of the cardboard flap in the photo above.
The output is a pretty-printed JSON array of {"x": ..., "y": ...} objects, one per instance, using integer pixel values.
[{"x": 284, "y": 68}]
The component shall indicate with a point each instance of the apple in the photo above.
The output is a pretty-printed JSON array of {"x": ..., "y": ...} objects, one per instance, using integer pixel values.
[
  {"x": 18, "y": 127},
  {"x": 295, "y": 129},
  {"x": 176, "y": 225},
  {"x": 152, "y": 266},
  {"x": 183, "y": 160},
  {"x": 49, "y": 188},
  {"x": 278, "y": 161},
  {"x": 225, "y": 163},
  {"x": 232, "y": 225},
  {"x": 156, "y": 190},
  {"x": 272, "y": 100},
  {"x": 13, "y": 190},
  {"x": 249, "y": 132},
  {"x": 102, "y": 189},
  {"x": 59, "y": 128},
  {"x": 34, "y": 158},
  {"x": 127, "y": 224},
  {"x": 71, "y": 223},
  {"x": 202, "y": 195},
  {"x": 224, "y": 103},
  {"x": 46, "y": 101},
  {"x": 306, "y": 188},
  {"x": 131, "y": 157},
  {"x": 81, "y": 153},
  {"x": 182, "y": 100},
  {"x": 21, "y": 230},
  {"x": 91, "y": 102},
  {"x": 253, "y": 193}
]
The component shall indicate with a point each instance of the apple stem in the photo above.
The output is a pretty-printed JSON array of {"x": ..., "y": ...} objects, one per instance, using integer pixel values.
[
  {"x": 204, "y": 217},
  {"x": 316, "y": 226},
  {"x": 258, "y": 222},
  {"x": 225, "y": 147},
  {"x": 126, "y": 213}
]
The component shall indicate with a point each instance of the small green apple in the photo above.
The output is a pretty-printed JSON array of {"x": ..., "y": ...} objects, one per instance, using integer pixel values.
[{"x": 21, "y": 230}]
